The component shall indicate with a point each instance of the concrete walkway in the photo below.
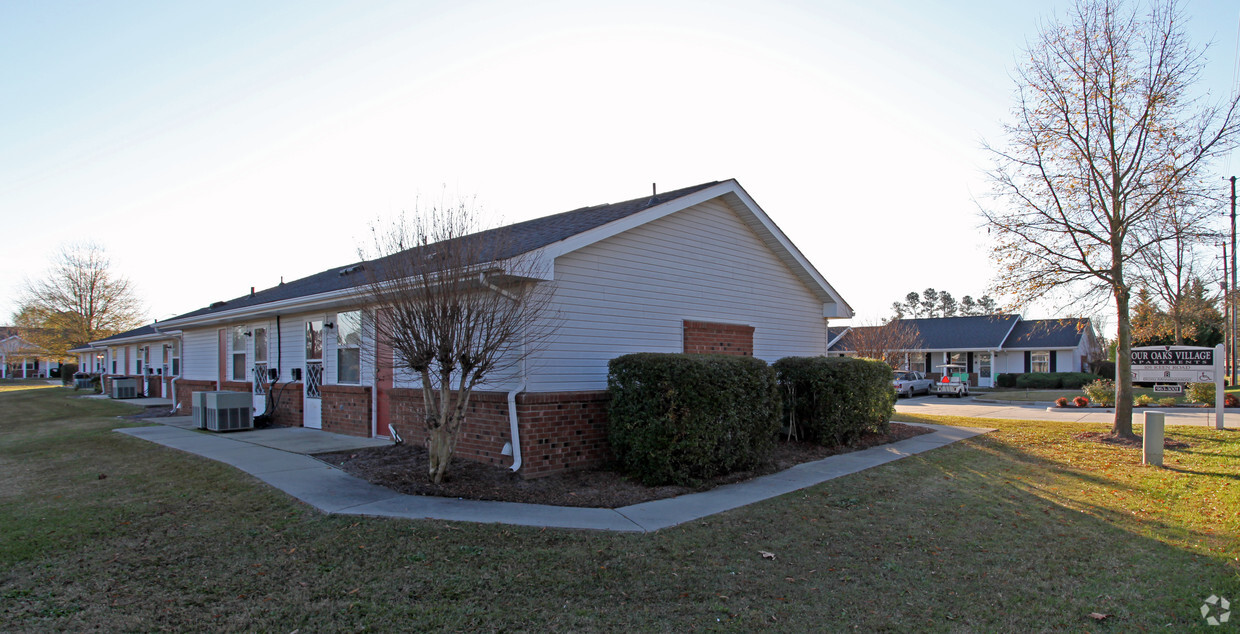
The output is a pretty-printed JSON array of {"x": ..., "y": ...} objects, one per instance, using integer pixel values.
[
  {"x": 283, "y": 464},
  {"x": 981, "y": 406}
]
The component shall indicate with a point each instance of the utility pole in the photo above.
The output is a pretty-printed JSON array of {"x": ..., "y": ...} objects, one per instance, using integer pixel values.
[{"x": 1232, "y": 324}]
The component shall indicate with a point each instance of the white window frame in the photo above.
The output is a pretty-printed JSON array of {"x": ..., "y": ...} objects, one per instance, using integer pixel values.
[
  {"x": 348, "y": 347},
  {"x": 1045, "y": 362},
  {"x": 237, "y": 339}
]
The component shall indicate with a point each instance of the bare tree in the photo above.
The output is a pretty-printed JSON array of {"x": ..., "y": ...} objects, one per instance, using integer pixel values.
[
  {"x": 79, "y": 301},
  {"x": 888, "y": 342},
  {"x": 1105, "y": 130},
  {"x": 1169, "y": 266},
  {"x": 457, "y": 307}
]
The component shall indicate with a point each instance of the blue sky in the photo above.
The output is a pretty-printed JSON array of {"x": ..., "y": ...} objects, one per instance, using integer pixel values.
[{"x": 211, "y": 147}]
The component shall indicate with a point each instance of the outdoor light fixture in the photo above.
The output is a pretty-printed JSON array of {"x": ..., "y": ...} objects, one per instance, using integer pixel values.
[
  {"x": 246, "y": 333},
  {"x": 328, "y": 324}
]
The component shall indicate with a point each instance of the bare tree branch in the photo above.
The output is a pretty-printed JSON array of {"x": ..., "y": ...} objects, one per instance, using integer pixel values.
[
  {"x": 1106, "y": 144},
  {"x": 457, "y": 306}
]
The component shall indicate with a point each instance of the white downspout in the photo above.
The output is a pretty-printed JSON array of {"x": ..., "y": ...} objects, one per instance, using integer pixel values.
[{"x": 514, "y": 429}]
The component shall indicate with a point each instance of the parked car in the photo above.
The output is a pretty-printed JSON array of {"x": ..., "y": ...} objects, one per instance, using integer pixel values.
[
  {"x": 955, "y": 381},
  {"x": 910, "y": 382}
]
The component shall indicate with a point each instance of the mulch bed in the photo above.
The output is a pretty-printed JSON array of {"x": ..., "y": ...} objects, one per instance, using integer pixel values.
[
  {"x": 1107, "y": 438},
  {"x": 153, "y": 411},
  {"x": 403, "y": 468}
]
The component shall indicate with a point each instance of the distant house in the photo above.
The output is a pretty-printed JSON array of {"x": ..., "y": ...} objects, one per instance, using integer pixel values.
[
  {"x": 994, "y": 344},
  {"x": 151, "y": 354},
  {"x": 700, "y": 269},
  {"x": 20, "y": 359}
]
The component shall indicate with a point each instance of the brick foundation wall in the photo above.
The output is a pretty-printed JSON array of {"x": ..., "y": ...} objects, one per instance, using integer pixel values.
[
  {"x": 288, "y": 404},
  {"x": 702, "y": 337},
  {"x": 560, "y": 431},
  {"x": 236, "y": 386},
  {"x": 482, "y": 435},
  {"x": 185, "y": 390},
  {"x": 346, "y": 409}
]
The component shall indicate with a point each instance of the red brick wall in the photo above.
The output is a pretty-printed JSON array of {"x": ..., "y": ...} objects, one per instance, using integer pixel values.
[
  {"x": 346, "y": 409},
  {"x": 185, "y": 390},
  {"x": 482, "y": 435},
  {"x": 702, "y": 337},
  {"x": 560, "y": 431},
  {"x": 288, "y": 402},
  {"x": 236, "y": 386}
]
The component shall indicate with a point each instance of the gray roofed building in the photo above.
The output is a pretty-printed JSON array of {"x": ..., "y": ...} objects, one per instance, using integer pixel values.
[
  {"x": 518, "y": 238},
  {"x": 992, "y": 344}
]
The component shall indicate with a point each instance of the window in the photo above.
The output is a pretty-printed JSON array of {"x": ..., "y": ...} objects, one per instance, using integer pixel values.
[
  {"x": 113, "y": 366},
  {"x": 138, "y": 361},
  {"x": 260, "y": 345},
  {"x": 917, "y": 362},
  {"x": 314, "y": 340},
  {"x": 238, "y": 353},
  {"x": 959, "y": 358},
  {"x": 348, "y": 347},
  {"x": 1040, "y": 361}
]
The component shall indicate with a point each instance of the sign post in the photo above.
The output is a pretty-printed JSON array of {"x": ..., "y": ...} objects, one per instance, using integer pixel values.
[{"x": 1182, "y": 364}]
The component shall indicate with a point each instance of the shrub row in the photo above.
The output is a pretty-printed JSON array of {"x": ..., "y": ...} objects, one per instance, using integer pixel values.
[
  {"x": 833, "y": 400},
  {"x": 1045, "y": 380},
  {"x": 681, "y": 418}
]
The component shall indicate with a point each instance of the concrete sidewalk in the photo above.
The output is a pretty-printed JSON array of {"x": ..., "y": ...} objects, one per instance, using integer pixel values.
[
  {"x": 333, "y": 491},
  {"x": 981, "y": 407}
]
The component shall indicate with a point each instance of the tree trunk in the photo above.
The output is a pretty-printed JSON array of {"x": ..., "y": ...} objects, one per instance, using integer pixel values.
[
  {"x": 440, "y": 453},
  {"x": 1123, "y": 367}
]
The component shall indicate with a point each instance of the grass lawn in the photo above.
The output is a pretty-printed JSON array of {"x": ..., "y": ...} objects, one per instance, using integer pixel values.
[{"x": 1021, "y": 529}]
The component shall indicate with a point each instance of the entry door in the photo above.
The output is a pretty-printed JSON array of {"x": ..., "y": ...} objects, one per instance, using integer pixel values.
[
  {"x": 312, "y": 379},
  {"x": 983, "y": 370},
  {"x": 259, "y": 367}
]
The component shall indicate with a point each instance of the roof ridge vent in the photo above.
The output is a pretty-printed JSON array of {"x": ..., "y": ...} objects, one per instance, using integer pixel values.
[{"x": 350, "y": 269}]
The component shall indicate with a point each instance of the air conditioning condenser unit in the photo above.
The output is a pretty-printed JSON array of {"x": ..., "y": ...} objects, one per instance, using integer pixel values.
[
  {"x": 228, "y": 411},
  {"x": 125, "y": 388}
]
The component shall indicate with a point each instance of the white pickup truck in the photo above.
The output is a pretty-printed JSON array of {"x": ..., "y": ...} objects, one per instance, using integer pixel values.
[{"x": 955, "y": 381}]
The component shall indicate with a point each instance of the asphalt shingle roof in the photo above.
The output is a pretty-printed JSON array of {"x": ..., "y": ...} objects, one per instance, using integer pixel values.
[
  {"x": 518, "y": 238},
  {"x": 141, "y": 331},
  {"x": 991, "y": 332},
  {"x": 1047, "y": 333}
]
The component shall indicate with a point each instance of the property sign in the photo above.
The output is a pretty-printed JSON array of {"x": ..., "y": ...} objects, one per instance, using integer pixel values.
[
  {"x": 1171, "y": 388},
  {"x": 1182, "y": 364},
  {"x": 1173, "y": 364}
]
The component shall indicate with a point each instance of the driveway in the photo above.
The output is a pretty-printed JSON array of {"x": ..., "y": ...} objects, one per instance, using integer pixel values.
[{"x": 982, "y": 406}]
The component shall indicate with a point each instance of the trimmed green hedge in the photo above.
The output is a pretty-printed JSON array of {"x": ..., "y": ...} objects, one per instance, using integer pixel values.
[
  {"x": 835, "y": 399},
  {"x": 1046, "y": 380},
  {"x": 1038, "y": 381},
  {"x": 679, "y": 418}
]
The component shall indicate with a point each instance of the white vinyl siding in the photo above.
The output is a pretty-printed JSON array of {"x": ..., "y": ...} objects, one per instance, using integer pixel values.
[
  {"x": 200, "y": 355},
  {"x": 633, "y": 291}
]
